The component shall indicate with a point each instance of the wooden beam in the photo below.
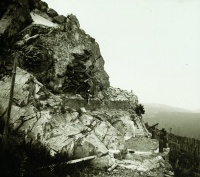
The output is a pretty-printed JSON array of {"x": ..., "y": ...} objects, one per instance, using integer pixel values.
[
  {"x": 112, "y": 167},
  {"x": 82, "y": 159},
  {"x": 70, "y": 162}
]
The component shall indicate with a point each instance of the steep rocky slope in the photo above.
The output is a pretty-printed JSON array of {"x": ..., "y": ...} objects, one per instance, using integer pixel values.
[
  {"x": 61, "y": 55},
  {"x": 62, "y": 97}
]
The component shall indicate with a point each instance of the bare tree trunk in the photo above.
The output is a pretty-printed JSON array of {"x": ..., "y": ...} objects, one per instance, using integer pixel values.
[{"x": 7, "y": 120}]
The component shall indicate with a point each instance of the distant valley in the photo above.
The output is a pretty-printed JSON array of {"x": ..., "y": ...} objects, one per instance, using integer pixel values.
[{"x": 179, "y": 121}]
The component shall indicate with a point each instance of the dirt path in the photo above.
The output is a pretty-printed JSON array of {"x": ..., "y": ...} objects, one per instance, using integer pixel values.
[
  {"x": 139, "y": 144},
  {"x": 142, "y": 144}
]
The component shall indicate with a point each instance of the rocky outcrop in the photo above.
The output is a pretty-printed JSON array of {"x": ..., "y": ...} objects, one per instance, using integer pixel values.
[
  {"x": 60, "y": 54},
  {"x": 41, "y": 116},
  {"x": 62, "y": 96},
  {"x": 52, "y": 12}
]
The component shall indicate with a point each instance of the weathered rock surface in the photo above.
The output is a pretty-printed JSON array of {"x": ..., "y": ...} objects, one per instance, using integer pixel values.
[
  {"x": 144, "y": 162},
  {"x": 59, "y": 19},
  {"x": 63, "y": 57},
  {"x": 52, "y": 12},
  {"x": 38, "y": 113},
  {"x": 62, "y": 96}
]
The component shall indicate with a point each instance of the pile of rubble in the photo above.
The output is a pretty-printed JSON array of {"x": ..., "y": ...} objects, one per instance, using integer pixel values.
[{"x": 117, "y": 94}]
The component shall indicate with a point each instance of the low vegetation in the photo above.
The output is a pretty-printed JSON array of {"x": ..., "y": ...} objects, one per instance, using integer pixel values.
[{"x": 34, "y": 160}]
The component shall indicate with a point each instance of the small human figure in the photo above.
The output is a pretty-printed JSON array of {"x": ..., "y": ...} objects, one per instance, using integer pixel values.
[
  {"x": 87, "y": 94},
  {"x": 31, "y": 89},
  {"x": 165, "y": 138},
  {"x": 161, "y": 143}
]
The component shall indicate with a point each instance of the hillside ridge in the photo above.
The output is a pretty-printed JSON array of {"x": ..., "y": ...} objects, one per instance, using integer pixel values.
[{"x": 62, "y": 95}]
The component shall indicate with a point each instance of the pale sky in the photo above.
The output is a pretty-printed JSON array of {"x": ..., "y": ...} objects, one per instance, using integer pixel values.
[{"x": 149, "y": 46}]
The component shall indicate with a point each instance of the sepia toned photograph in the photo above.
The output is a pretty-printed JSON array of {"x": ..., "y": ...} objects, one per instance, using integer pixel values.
[{"x": 92, "y": 88}]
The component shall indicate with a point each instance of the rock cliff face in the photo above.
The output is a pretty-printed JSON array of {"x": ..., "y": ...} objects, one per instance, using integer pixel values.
[
  {"x": 62, "y": 96},
  {"x": 51, "y": 120},
  {"x": 54, "y": 48}
]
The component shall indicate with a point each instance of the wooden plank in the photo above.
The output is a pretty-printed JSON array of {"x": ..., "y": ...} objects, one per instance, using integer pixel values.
[
  {"x": 70, "y": 162},
  {"x": 81, "y": 159},
  {"x": 112, "y": 167}
]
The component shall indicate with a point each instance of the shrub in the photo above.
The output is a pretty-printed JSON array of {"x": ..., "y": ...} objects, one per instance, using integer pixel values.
[{"x": 139, "y": 110}]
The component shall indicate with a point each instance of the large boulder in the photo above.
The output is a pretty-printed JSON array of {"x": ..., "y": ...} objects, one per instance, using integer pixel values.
[
  {"x": 72, "y": 22},
  {"x": 105, "y": 132},
  {"x": 90, "y": 145},
  {"x": 121, "y": 120},
  {"x": 60, "y": 19},
  {"x": 52, "y": 12},
  {"x": 43, "y": 6}
]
